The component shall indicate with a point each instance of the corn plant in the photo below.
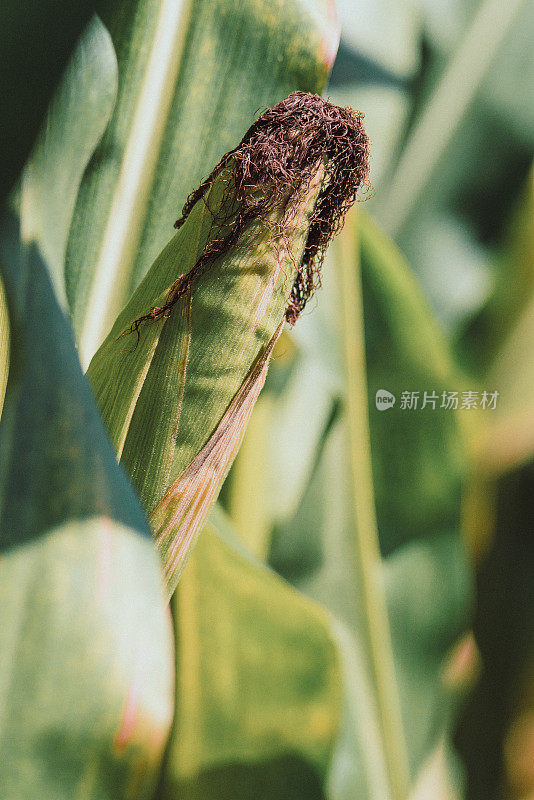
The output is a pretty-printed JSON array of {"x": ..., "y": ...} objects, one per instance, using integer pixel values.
[{"x": 224, "y": 572}]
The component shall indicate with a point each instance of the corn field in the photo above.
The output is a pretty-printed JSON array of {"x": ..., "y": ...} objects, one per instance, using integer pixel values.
[{"x": 267, "y": 400}]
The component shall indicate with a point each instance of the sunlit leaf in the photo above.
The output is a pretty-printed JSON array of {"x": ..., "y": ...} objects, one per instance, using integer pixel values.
[
  {"x": 77, "y": 118},
  {"x": 36, "y": 48},
  {"x": 251, "y": 514},
  {"x": 302, "y": 412},
  {"x": 178, "y": 517},
  {"x": 85, "y": 647},
  {"x": 85, "y": 665},
  {"x": 258, "y": 681}
]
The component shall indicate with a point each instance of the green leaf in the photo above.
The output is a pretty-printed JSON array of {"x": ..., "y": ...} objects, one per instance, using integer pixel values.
[
  {"x": 56, "y": 462},
  {"x": 85, "y": 665},
  {"x": 457, "y": 87},
  {"x": 85, "y": 647},
  {"x": 358, "y": 766},
  {"x": 178, "y": 517},
  {"x": 388, "y": 32},
  {"x": 418, "y": 458},
  {"x": 428, "y": 592},
  {"x": 36, "y": 42},
  {"x": 4, "y": 345},
  {"x": 280, "y": 445},
  {"x": 79, "y": 113},
  {"x": 365, "y": 543},
  {"x": 506, "y": 330},
  {"x": 251, "y": 513},
  {"x": 302, "y": 411},
  {"x": 418, "y": 465},
  {"x": 379, "y": 56},
  {"x": 257, "y": 680},
  {"x": 176, "y": 406},
  {"x": 174, "y": 119}
]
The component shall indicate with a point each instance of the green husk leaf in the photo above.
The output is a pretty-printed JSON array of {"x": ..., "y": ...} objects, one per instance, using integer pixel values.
[{"x": 179, "y": 515}]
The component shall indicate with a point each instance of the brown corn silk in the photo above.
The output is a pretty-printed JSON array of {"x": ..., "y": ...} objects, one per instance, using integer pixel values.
[
  {"x": 278, "y": 156},
  {"x": 248, "y": 253}
]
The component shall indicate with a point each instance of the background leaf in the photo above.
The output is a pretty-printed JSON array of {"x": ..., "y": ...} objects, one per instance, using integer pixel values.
[
  {"x": 418, "y": 459},
  {"x": 242, "y": 730},
  {"x": 377, "y": 63},
  {"x": 36, "y": 42},
  {"x": 420, "y": 540},
  {"x": 4, "y": 345},
  {"x": 495, "y": 727},
  {"x": 77, "y": 118}
]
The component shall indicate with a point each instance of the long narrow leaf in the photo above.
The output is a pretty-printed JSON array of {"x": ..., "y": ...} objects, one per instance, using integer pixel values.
[
  {"x": 85, "y": 646},
  {"x": 366, "y": 542},
  {"x": 77, "y": 118},
  {"x": 418, "y": 462},
  {"x": 4, "y": 345}
]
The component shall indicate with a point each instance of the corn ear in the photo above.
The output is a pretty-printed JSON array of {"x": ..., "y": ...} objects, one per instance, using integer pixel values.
[
  {"x": 188, "y": 382},
  {"x": 178, "y": 375}
]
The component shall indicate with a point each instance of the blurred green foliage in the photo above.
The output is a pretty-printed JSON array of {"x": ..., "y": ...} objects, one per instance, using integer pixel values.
[{"x": 273, "y": 689}]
